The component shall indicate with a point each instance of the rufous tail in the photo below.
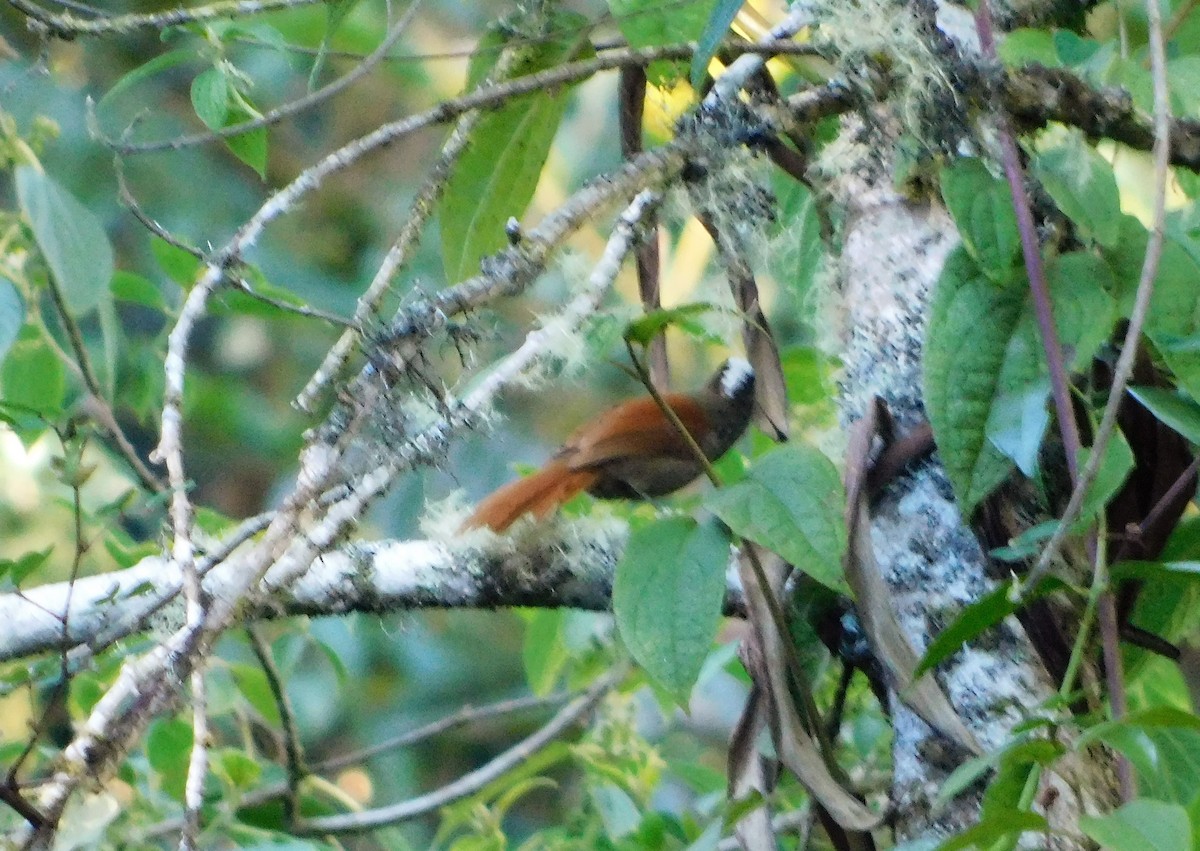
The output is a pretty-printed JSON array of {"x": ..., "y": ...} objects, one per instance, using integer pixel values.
[{"x": 538, "y": 494}]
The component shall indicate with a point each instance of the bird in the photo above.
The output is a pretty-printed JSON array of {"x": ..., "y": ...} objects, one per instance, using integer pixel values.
[{"x": 631, "y": 451}]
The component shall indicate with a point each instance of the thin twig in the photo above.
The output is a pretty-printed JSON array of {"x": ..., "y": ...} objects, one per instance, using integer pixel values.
[
  {"x": 1141, "y": 306},
  {"x": 476, "y": 780},
  {"x": 487, "y": 97},
  {"x": 81, "y": 363},
  {"x": 69, "y": 26},
  {"x": 298, "y": 105},
  {"x": 303, "y": 310},
  {"x": 293, "y": 749},
  {"x": 462, "y": 716},
  {"x": 423, "y": 205}
]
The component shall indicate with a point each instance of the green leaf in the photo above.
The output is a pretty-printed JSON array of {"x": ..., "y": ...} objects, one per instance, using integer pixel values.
[
  {"x": 1073, "y": 49},
  {"x": 649, "y": 23},
  {"x": 14, "y": 571},
  {"x": 249, "y": 147},
  {"x": 1082, "y": 184},
  {"x": 496, "y": 176},
  {"x": 994, "y": 829},
  {"x": 1183, "y": 76},
  {"x": 667, "y": 596},
  {"x": 335, "y": 13},
  {"x": 971, "y": 324},
  {"x": 181, "y": 266},
  {"x": 1174, "y": 316},
  {"x": 144, "y": 72},
  {"x": 792, "y": 502},
  {"x": 1018, "y": 754},
  {"x": 1084, "y": 310},
  {"x": 797, "y": 252},
  {"x": 238, "y": 768},
  {"x": 981, "y": 206},
  {"x": 544, "y": 652},
  {"x": 1175, "y": 411},
  {"x": 168, "y": 750},
  {"x": 1017, "y": 423},
  {"x": 210, "y": 97},
  {"x": 1162, "y": 744},
  {"x": 645, "y": 328},
  {"x": 1141, "y": 825},
  {"x": 253, "y": 684},
  {"x": 134, "y": 289},
  {"x": 32, "y": 376},
  {"x": 977, "y": 618},
  {"x": 1113, "y": 470},
  {"x": 1027, "y": 46},
  {"x": 70, "y": 237},
  {"x": 719, "y": 19},
  {"x": 12, "y": 316},
  {"x": 984, "y": 359}
]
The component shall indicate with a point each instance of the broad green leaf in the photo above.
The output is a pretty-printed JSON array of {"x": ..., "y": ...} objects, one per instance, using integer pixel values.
[
  {"x": 253, "y": 684},
  {"x": 1017, "y": 754},
  {"x": 1084, "y": 310},
  {"x": 1169, "y": 601},
  {"x": 249, "y": 147},
  {"x": 210, "y": 97},
  {"x": 649, "y": 23},
  {"x": 1082, "y": 184},
  {"x": 792, "y": 502},
  {"x": 14, "y": 571},
  {"x": 1162, "y": 744},
  {"x": 144, "y": 72},
  {"x": 134, "y": 289},
  {"x": 496, "y": 176},
  {"x": 1183, "y": 74},
  {"x": 168, "y": 750},
  {"x": 981, "y": 206},
  {"x": 1027, "y": 46},
  {"x": 645, "y": 328},
  {"x": 1171, "y": 331},
  {"x": 237, "y": 767},
  {"x": 975, "y": 619},
  {"x": 70, "y": 237},
  {"x": 1073, "y": 49},
  {"x": 1141, "y": 825},
  {"x": 544, "y": 652},
  {"x": 1017, "y": 423},
  {"x": 1113, "y": 470},
  {"x": 180, "y": 266},
  {"x": 971, "y": 324},
  {"x": 667, "y": 596},
  {"x": 32, "y": 376},
  {"x": 797, "y": 252},
  {"x": 808, "y": 374},
  {"x": 12, "y": 316},
  {"x": 984, "y": 357},
  {"x": 1173, "y": 323},
  {"x": 992, "y": 830},
  {"x": 722, "y": 15}
]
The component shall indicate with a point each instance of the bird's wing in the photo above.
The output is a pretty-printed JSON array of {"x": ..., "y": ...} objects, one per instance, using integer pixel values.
[{"x": 633, "y": 429}]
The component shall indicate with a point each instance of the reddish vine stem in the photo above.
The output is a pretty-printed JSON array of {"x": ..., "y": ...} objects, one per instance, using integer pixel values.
[{"x": 1031, "y": 251}]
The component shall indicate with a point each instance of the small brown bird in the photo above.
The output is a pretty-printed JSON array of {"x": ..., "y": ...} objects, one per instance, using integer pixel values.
[{"x": 631, "y": 451}]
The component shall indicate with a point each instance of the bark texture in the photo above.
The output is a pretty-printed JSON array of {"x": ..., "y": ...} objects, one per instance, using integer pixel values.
[{"x": 893, "y": 248}]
